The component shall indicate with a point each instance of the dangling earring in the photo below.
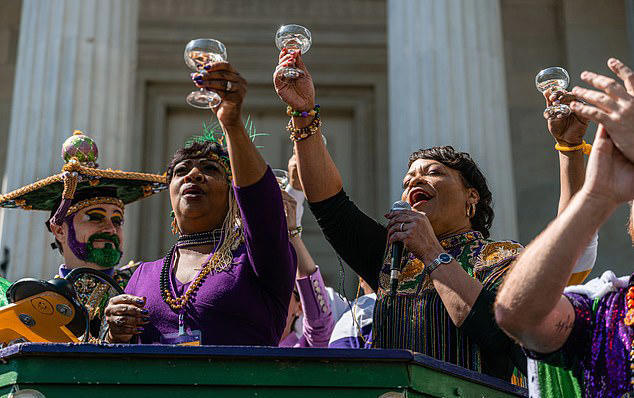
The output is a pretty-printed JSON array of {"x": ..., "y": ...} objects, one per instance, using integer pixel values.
[
  {"x": 175, "y": 229},
  {"x": 471, "y": 210}
]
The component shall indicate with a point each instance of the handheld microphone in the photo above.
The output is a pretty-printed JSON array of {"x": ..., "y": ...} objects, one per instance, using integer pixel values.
[{"x": 397, "y": 251}]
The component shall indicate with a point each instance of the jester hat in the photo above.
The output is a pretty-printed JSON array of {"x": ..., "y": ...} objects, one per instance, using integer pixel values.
[{"x": 81, "y": 184}]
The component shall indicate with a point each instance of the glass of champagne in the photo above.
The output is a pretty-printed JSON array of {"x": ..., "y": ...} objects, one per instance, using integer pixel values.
[
  {"x": 198, "y": 53},
  {"x": 553, "y": 78},
  {"x": 282, "y": 177},
  {"x": 293, "y": 38}
]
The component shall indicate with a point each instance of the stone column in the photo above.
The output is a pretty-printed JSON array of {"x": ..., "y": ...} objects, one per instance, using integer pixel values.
[
  {"x": 75, "y": 70},
  {"x": 447, "y": 87},
  {"x": 629, "y": 11}
]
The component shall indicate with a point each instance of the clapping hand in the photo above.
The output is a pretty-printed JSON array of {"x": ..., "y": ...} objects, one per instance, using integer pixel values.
[
  {"x": 609, "y": 176},
  {"x": 613, "y": 106}
]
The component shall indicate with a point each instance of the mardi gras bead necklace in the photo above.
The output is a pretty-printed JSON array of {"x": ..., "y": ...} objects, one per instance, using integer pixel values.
[
  {"x": 219, "y": 261},
  {"x": 201, "y": 238}
]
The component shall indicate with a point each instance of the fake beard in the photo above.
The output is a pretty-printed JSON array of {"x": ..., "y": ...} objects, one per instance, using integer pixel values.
[{"x": 107, "y": 257}]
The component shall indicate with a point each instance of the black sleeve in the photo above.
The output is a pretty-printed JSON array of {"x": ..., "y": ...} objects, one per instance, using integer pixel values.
[
  {"x": 357, "y": 238},
  {"x": 498, "y": 350}
]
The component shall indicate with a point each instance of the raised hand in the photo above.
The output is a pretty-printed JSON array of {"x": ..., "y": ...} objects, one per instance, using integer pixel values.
[
  {"x": 566, "y": 130},
  {"x": 609, "y": 176},
  {"x": 223, "y": 79},
  {"x": 613, "y": 106},
  {"x": 298, "y": 93}
]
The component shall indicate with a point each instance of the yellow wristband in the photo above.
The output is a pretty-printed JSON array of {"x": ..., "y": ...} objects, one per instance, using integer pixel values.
[{"x": 584, "y": 146}]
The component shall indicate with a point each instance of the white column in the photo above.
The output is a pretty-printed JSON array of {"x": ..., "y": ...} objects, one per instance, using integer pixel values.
[
  {"x": 447, "y": 87},
  {"x": 75, "y": 70}
]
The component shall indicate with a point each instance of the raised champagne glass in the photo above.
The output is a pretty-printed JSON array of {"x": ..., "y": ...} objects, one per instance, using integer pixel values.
[
  {"x": 198, "y": 53},
  {"x": 293, "y": 38},
  {"x": 553, "y": 78}
]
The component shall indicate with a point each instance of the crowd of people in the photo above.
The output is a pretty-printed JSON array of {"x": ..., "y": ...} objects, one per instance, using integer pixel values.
[{"x": 240, "y": 273}]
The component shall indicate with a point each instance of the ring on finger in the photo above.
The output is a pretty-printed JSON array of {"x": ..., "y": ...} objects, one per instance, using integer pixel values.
[
  {"x": 228, "y": 87},
  {"x": 402, "y": 224}
]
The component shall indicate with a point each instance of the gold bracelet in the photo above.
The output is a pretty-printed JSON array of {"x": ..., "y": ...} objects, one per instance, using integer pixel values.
[
  {"x": 298, "y": 134},
  {"x": 295, "y": 232},
  {"x": 584, "y": 146}
]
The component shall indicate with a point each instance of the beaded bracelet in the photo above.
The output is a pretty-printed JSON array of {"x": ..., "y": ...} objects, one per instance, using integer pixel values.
[
  {"x": 292, "y": 112},
  {"x": 295, "y": 232},
  {"x": 304, "y": 132},
  {"x": 584, "y": 146}
]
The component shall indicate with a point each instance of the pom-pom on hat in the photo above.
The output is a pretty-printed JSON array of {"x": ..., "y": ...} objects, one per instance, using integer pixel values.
[{"x": 82, "y": 148}]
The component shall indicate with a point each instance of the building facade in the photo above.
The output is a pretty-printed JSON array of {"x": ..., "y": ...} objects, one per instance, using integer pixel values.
[{"x": 391, "y": 76}]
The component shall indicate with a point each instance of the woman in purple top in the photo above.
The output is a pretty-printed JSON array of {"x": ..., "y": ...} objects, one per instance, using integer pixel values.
[{"x": 229, "y": 278}]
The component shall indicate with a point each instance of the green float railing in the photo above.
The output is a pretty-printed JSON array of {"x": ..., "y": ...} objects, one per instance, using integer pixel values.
[{"x": 94, "y": 371}]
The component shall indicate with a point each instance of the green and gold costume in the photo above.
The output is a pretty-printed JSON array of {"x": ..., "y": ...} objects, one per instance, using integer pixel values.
[
  {"x": 80, "y": 185},
  {"x": 416, "y": 318},
  {"x": 4, "y": 285}
]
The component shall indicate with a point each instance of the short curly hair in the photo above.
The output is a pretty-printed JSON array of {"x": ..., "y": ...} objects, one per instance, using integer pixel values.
[
  {"x": 471, "y": 176},
  {"x": 197, "y": 150}
]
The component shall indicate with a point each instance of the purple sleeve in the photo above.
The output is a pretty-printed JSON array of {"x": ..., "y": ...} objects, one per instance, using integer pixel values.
[
  {"x": 318, "y": 319},
  {"x": 571, "y": 354},
  {"x": 266, "y": 235}
]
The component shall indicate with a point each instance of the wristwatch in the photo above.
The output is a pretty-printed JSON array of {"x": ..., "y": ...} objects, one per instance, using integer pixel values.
[{"x": 443, "y": 258}]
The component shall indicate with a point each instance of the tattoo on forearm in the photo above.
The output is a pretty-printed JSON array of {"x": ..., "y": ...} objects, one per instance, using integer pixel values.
[{"x": 564, "y": 326}]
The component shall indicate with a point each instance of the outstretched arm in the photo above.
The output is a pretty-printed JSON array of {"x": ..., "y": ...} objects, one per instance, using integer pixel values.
[
  {"x": 357, "y": 238},
  {"x": 247, "y": 165},
  {"x": 530, "y": 306},
  {"x": 318, "y": 318},
  {"x": 319, "y": 175},
  {"x": 258, "y": 197},
  {"x": 568, "y": 131},
  {"x": 305, "y": 264}
]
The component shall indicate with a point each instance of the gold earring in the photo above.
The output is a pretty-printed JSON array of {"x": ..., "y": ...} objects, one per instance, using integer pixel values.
[
  {"x": 471, "y": 210},
  {"x": 175, "y": 229}
]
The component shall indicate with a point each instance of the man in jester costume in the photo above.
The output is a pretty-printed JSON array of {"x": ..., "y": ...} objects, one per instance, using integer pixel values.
[{"x": 86, "y": 206}]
